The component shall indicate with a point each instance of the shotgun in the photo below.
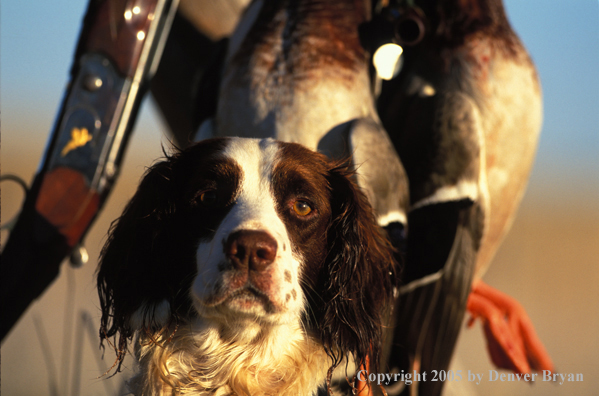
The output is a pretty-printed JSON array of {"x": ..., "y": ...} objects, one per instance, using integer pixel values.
[{"x": 118, "y": 51}]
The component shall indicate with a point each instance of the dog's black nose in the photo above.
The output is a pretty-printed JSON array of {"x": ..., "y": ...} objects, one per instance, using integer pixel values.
[{"x": 251, "y": 249}]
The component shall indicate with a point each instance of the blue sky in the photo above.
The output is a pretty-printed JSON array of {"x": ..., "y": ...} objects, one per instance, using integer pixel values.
[
  {"x": 563, "y": 40},
  {"x": 38, "y": 39}
]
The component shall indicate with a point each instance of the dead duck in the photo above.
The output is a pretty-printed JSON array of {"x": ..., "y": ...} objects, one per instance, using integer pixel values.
[{"x": 464, "y": 114}]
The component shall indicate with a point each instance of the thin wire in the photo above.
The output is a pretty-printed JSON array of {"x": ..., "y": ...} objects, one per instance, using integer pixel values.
[
  {"x": 42, "y": 336},
  {"x": 78, "y": 359},
  {"x": 16, "y": 179},
  {"x": 9, "y": 225},
  {"x": 68, "y": 323}
]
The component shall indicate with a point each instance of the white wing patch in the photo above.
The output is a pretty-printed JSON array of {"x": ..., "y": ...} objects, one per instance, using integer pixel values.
[
  {"x": 392, "y": 217},
  {"x": 457, "y": 192}
]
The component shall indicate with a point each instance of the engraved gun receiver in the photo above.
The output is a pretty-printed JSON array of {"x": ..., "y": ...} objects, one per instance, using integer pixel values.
[{"x": 118, "y": 51}]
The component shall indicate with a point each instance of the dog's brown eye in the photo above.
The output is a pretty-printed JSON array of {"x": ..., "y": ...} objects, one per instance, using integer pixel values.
[
  {"x": 208, "y": 198},
  {"x": 302, "y": 208}
]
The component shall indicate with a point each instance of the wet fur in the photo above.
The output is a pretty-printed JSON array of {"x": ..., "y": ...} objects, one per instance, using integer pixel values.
[{"x": 148, "y": 260}]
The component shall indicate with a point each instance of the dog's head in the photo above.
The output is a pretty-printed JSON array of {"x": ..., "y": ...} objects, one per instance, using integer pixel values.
[{"x": 248, "y": 234}]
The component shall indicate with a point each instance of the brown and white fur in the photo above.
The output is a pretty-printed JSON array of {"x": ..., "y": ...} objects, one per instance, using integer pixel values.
[
  {"x": 295, "y": 72},
  {"x": 247, "y": 267}
]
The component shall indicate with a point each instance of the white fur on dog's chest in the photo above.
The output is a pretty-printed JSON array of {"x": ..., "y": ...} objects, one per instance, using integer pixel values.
[{"x": 282, "y": 362}]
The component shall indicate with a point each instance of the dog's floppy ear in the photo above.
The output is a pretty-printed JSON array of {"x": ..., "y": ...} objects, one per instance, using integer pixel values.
[
  {"x": 139, "y": 269},
  {"x": 360, "y": 271}
]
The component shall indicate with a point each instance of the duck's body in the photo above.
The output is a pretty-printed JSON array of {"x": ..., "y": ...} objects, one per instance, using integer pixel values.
[
  {"x": 464, "y": 115},
  {"x": 476, "y": 111}
]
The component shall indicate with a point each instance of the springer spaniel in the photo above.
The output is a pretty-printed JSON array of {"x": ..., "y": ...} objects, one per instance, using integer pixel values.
[{"x": 248, "y": 267}]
